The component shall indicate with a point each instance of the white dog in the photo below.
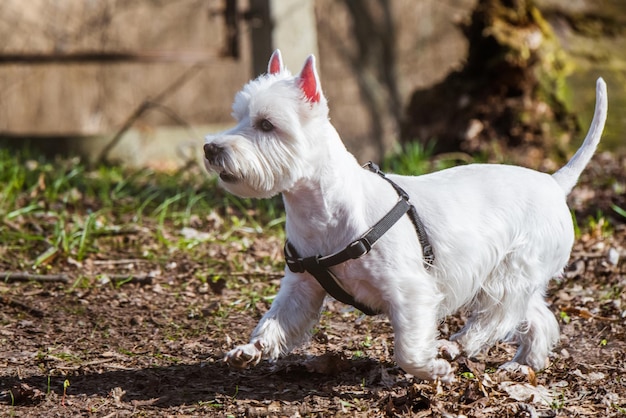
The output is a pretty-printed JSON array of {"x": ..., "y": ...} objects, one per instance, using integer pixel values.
[{"x": 490, "y": 236}]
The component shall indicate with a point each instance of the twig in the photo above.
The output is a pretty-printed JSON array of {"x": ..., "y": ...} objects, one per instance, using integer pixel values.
[
  {"x": 249, "y": 273},
  {"x": 112, "y": 232},
  {"x": 89, "y": 57},
  {"x": 8, "y": 276},
  {"x": 120, "y": 261},
  {"x": 586, "y": 314},
  {"x": 125, "y": 278},
  {"x": 171, "y": 113},
  {"x": 146, "y": 402},
  {"x": 146, "y": 105},
  {"x": 599, "y": 366},
  {"x": 587, "y": 254},
  {"x": 82, "y": 365},
  {"x": 19, "y": 305}
]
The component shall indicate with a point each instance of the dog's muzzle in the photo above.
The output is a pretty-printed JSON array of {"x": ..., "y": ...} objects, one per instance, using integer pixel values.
[{"x": 214, "y": 154}]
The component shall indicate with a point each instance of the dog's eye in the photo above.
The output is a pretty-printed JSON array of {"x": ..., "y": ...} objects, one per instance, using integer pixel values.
[{"x": 265, "y": 125}]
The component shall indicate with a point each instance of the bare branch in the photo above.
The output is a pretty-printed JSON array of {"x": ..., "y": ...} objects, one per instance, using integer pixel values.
[
  {"x": 146, "y": 105},
  {"x": 8, "y": 276}
]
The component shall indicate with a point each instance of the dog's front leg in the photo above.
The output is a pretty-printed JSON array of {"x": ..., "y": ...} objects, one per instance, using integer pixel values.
[{"x": 293, "y": 314}]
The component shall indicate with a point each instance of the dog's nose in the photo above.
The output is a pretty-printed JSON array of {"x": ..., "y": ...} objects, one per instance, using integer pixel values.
[{"x": 211, "y": 150}]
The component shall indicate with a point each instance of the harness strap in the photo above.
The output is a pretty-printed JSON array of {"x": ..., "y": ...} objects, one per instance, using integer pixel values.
[
  {"x": 330, "y": 283},
  {"x": 319, "y": 266},
  {"x": 427, "y": 249},
  {"x": 356, "y": 249}
]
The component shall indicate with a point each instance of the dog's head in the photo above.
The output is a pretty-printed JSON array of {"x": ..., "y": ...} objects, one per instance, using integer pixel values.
[{"x": 280, "y": 118}]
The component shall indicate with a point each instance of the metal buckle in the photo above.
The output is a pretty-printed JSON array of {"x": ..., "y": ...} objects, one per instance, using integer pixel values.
[
  {"x": 358, "y": 248},
  {"x": 373, "y": 168},
  {"x": 295, "y": 265}
]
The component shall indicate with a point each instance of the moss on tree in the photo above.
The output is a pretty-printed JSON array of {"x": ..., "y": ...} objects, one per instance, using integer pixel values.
[{"x": 510, "y": 94}]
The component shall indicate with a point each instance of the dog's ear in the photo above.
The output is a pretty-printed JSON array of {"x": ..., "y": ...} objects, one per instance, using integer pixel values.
[
  {"x": 309, "y": 81},
  {"x": 275, "y": 65}
]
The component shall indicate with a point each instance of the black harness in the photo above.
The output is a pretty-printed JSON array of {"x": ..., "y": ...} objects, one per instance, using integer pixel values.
[{"x": 319, "y": 266}]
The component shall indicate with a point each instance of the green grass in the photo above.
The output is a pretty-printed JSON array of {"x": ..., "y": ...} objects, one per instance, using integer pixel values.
[
  {"x": 410, "y": 159},
  {"x": 57, "y": 209},
  {"x": 416, "y": 158}
]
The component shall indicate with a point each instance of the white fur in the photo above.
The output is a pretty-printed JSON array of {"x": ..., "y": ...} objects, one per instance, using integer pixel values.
[{"x": 499, "y": 234}]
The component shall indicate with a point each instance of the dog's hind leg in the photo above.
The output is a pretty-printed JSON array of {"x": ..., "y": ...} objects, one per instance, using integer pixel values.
[
  {"x": 499, "y": 308},
  {"x": 491, "y": 319},
  {"x": 512, "y": 307},
  {"x": 537, "y": 334}
]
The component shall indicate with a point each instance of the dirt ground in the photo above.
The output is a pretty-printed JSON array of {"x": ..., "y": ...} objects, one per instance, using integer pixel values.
[{"x": 152, "y": 344}]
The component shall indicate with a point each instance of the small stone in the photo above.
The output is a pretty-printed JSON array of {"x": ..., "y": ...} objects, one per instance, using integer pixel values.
[
  {"x": 613, "y": 256},
  {"x": 203, "y": 288}
]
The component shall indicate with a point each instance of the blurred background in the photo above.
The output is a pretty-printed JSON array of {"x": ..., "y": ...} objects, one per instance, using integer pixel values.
[
  {"x": 126, "y": 270},
  {"x": 142, "y": 81}
]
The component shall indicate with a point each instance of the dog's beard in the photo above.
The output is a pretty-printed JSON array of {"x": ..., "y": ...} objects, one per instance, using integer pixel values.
[{"x": 253, "y": 168}]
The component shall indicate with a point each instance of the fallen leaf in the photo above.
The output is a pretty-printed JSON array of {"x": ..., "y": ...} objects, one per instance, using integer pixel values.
[{"x": 525, "y": 392}]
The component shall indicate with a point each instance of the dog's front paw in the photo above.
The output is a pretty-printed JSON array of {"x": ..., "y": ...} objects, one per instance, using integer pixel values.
[
  {"x": 245, "y": 355},
  {"x": 436, "y": 369},
  {"x": 443, "y": 371}
]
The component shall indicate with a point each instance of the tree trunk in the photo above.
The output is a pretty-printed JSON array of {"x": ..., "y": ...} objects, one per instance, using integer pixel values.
[{"x": 508, "y": 95}]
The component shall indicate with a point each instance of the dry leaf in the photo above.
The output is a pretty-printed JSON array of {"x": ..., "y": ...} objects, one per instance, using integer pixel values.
[{"x": 525, "y": 392}]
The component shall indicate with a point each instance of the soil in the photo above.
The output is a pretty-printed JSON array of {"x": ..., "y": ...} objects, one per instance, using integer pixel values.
[{"x": 153, "y": 345}]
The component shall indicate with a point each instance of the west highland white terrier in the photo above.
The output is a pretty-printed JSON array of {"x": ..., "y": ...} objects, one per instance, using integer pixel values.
[{"x": 482, "y": 238}]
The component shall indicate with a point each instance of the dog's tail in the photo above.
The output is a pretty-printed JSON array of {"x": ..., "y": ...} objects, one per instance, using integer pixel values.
[{"x": 568, "y": 175}]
